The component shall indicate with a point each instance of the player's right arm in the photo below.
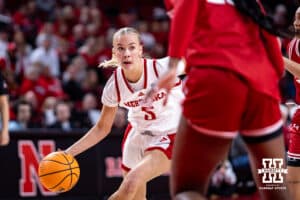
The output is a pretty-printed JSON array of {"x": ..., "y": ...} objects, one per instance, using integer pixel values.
[
  {"x": 102, "y": 128},
  {"x": 99, "y": 131}
]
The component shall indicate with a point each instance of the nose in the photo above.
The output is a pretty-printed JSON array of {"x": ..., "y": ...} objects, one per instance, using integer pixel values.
[{"x": 126, "y": 53}]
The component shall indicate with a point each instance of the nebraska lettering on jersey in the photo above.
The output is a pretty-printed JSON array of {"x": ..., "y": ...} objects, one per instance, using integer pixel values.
[
  {"x": 29, "y": 158},
  {"x": 157, "y": 117},
  {"x": 135, "y": 103}
]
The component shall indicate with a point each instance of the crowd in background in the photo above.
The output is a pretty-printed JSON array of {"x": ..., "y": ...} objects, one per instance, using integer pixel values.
[{"x": 50, "y": 50}]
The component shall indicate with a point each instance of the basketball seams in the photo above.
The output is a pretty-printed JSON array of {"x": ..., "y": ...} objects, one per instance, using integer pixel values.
[
  {"x": 71, "y": 172},
  {"x": 50, "y": 173},
  {"x": 63, "y": 181},
  {"x": 59, "y": 162}
]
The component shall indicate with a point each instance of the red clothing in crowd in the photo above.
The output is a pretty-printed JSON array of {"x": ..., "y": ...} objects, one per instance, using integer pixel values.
[{"x": 42, "y": 88}]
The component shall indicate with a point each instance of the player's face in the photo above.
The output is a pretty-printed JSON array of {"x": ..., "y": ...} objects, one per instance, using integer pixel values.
[
  {"x": 297, "y": 23},
  {"x": 128, "y": 50}
]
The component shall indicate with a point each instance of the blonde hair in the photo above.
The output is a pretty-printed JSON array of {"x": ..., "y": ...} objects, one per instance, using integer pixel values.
[
  {"x": 127, "y": 30},
  {"x": 122, "y": 31}
]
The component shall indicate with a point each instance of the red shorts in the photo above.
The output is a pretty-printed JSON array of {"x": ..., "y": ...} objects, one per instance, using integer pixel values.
[
  {"x": 220, "y": 103},
  {"x": 294, "y": 136}
]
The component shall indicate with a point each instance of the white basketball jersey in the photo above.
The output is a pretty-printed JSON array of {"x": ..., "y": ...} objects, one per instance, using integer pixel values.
[{"x": 157, "y": 118}]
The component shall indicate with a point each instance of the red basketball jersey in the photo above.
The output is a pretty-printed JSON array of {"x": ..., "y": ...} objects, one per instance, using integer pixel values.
[
  {"x": 294, "y": 54},
  {"x": 218, "y": 35}
]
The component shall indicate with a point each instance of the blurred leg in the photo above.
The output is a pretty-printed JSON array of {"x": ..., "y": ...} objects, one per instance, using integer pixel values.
[
  {"x": 272, "y": 148},
  {"x": 195, "y": 156},
  {"x": 293, "y": 182}
]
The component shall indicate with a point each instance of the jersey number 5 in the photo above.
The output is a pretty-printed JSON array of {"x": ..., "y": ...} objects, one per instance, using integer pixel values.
[{"x": 149, "y": 114}]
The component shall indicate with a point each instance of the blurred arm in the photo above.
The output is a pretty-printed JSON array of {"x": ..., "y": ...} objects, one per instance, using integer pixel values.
[{"x": 4, "y": 137}]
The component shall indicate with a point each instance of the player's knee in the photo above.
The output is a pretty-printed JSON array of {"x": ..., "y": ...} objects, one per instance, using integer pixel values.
[{"x": 131, "y": 183}]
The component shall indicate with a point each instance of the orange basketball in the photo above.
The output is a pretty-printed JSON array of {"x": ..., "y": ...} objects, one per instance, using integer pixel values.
[{"x": 59, "y": 172}]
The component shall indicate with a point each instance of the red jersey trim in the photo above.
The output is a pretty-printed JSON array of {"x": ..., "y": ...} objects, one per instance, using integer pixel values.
[
  {"x": 117, "y": 86},
  {"x": 297, "y": 48},
  {"x": 145, "y": 74},
  {"x": 125, "y": 168},
  {"x": 126, "y": 82},
  {"x": 127, "y": 131},
  {"x": 178, "y": 83},
  {"x": 155, "y": 68},
  {"x": 293, "y": 155}
]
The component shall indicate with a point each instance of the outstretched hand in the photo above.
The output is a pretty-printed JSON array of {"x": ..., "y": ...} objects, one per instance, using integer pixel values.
[{"x": 166, "y": 81}]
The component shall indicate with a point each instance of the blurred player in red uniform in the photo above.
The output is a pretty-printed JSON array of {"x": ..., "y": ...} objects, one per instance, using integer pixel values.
[
  {"x": 233, "y": 70},
  {"x": 293, "y": 177}
]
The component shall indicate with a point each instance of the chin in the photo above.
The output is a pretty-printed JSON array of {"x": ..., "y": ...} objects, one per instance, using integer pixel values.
[{"x": 126, "y": 67}]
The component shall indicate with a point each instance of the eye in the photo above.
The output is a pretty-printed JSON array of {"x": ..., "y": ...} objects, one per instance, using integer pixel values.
[
  {"x": 120, "y": 49},
  {"x": 131, "y": 48}
]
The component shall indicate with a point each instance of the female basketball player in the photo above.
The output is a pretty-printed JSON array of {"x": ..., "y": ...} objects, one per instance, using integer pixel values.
[
  {"x": 233, "y": 70},
  {"x": 149, "y": 138},
  {"x": 293, "y": 177}
]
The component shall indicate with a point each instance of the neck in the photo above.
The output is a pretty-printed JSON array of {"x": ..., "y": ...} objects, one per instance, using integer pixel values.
[{"x": 134, "y": 74}]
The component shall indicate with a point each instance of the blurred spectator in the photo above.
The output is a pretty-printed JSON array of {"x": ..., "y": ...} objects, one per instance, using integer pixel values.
[
  {"x": 47, "y": 30},
  {"x": 127, "y": 18},
  {"x": 31, "y": 83},
  {"x": 24, "y": 113},
  {"x": 63, "y": 117},
  {"x": 46, "y": 6},
  {"x": 27, "y": 19},
  {"x": 46, "y": 56},
  {"x": 89, "y": 114},
  {"x": 91, "y": 83},
  {"x": 31, "y": 97},
  {"x": 4, "y": 58},
  {"x": 22, "y": 51},
  {"x": 280, "y": 15},
  {"x": 65, "y": 53},
  {"x": 94, "y": 51},
  {"x": 51, "y": 83},
  {"x": 146, "y": 37},
  {"x": 78, "y": 35},
  {"x": 47, "y": 111},
  {"x": 72, "y": 78}
]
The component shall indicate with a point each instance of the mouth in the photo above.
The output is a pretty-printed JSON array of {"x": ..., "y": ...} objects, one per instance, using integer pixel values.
[{"x": 127, "y": 62}]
